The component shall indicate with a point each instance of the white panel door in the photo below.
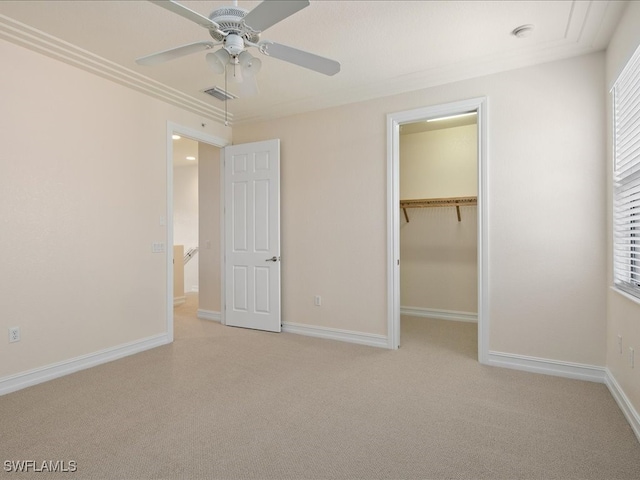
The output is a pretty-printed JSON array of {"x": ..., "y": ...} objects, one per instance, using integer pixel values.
[{"x": 252, "y": 235}]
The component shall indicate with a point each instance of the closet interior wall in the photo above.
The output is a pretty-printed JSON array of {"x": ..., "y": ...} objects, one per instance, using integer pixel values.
[{"x": 438, "y": 243}]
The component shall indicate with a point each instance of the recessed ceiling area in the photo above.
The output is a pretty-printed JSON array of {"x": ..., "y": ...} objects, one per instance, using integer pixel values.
[{"x": 383, "y": 47}]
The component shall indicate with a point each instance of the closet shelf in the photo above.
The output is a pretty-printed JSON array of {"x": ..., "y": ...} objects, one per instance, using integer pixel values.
[{"x": 438, "y": 202}]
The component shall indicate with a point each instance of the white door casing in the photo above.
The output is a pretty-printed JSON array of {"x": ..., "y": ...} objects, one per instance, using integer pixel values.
[
  {"x": 252, "y": 235},
  {"x": 394, "y": 120}
]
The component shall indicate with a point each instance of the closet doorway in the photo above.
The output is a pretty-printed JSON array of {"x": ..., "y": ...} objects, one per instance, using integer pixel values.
[
  {"x": 437, "y": 248},
  {"x": 438, "y": 232}
]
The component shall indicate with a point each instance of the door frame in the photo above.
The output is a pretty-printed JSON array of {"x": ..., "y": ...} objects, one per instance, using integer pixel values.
[
  {"x": 174, "y": 128},
  {"x": 394, "y": 121}
]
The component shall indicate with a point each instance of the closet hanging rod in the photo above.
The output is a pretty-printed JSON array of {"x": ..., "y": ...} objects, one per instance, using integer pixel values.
[{"x": 437, "y": 202}]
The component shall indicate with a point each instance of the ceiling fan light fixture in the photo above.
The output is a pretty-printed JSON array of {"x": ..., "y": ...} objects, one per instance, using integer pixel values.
[
  {"x": 218, "y": 60},
  {"x": 250, "y": 64},
  {"x": 238, "y": 29}
]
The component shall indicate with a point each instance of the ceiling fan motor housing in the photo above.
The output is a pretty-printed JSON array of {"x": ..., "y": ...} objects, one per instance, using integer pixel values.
[
  {"x": 231, "y": 21},
  {"x": 233, "y": 44}
]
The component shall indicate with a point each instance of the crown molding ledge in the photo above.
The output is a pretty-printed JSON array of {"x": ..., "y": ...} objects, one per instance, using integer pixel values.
[{"x": 38, "y": 41}]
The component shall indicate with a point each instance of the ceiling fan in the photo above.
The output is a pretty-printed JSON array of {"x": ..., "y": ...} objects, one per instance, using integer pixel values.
[{"x": 237, "y": 29}]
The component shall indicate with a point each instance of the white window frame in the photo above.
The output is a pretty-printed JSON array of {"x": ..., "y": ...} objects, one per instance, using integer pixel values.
[{"x": 626, "y": 178}]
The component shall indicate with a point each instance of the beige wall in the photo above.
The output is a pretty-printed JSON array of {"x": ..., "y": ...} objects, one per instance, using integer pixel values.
[
  {"x": 209, "y": 201},
  {"x": 439, "y": 163},
  {"x": 178, "y": 274},
  {"x": 83, "y": 186},
  {"x": 185, "y": 219},
  {"x": 623, "y": 315},
  {"x": 439, "y": 261},
  {"x": 332, "y": 215},
  {"x": 83, "y": 180},
  {"x": 546, "y": 205}
]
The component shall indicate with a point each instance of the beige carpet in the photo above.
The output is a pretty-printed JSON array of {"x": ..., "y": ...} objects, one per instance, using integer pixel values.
[{"x": 227, "y": 403}]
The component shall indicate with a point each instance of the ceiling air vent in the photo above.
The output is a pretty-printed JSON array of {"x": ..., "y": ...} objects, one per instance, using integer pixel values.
[{"x": 220, "y": 94}]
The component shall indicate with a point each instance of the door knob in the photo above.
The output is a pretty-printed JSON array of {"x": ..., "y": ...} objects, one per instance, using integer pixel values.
[{"x": 272, "y": 259}]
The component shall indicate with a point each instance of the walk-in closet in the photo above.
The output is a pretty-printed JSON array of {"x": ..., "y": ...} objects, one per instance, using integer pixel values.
[{"x": 438, "y": 231}]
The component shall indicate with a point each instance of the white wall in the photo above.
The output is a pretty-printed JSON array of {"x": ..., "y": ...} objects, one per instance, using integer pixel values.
[
  {"x": 546, "y": 205},
  {"x": 185, "y": 219},
  {"x": 623, "y": 315},
  {"x": 83, "y": 186}
]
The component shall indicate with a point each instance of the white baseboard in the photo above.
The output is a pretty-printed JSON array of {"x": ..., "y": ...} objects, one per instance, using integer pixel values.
[
  {"x": 29, "y": 378},
  {"x": 209, "y": 315},
  {"x": 195, "y": 288},
  {"x": 179, "y": 301},
  {"x": 590, "y": 373},
  {"x": 440, "y": 314},
  {"x": 623, "y": 402},
  {"x": 360, "y": 338},
  {"x": 577, "y": 371}
]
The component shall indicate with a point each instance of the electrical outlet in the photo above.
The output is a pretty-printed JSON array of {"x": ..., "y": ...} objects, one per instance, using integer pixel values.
[
  {"x": 14, "y": 334},
  {"x": 620, "y": 344},
  {"x": 632, "y": 359},
  {"x": 317, "y": 300}
]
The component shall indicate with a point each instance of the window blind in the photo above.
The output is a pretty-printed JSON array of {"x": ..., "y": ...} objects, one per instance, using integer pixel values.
[{"x": 626, "y": 178}]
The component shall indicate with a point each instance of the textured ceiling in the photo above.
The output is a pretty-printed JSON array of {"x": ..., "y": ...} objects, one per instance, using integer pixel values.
[{"x": 384, "y": 47}]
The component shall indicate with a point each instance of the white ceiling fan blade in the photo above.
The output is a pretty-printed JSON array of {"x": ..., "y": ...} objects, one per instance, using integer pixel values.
[
  {"x": 173, "y": 53},
  {"x": 270, "y": 12},
  {"x": 301, "y": 58},
  {"x": 187, "y": 13}
]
